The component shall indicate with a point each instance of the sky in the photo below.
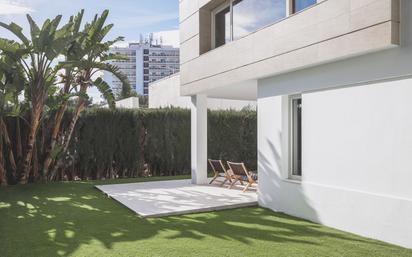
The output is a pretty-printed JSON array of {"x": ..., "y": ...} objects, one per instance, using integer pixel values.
[{"x": 130, "y": 17}]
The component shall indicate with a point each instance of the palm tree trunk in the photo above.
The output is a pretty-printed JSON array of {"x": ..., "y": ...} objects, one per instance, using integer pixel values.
[
  {"x": 55, "y": 132},
  {"x": 7, "y": 141},
  {"x": 3, "y": 177},
  {"x": 35, "y": 164},
  {"x": 56, "y": 128},
  {"x": 79, "y": 108},
  {"x": 19, "y": 148},
  {"x": 34, "y": 124}
]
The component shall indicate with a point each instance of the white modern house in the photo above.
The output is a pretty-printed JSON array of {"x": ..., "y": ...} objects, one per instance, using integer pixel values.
[
  {"x": 165, "y": 93},
  {"x": 333, "y": 84}
]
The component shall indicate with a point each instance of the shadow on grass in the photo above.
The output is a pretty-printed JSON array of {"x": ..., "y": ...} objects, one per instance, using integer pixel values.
[{"x": 58, "y": 219}]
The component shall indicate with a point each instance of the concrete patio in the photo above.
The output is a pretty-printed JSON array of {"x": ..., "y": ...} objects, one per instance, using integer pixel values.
[{"x": 176, "y": 197}]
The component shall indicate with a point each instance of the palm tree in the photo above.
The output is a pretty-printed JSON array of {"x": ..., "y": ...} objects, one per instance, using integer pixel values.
[
  {"x": 40, "y": 52},
  {"x": 72, "y": 53},
  {"x": 12, "y": 83},
  {"x": 92, "y": 59}
]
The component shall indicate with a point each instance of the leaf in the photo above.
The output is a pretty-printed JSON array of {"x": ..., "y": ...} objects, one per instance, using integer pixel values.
[
  {"x": 17, "y": 31},
  {"x": 114, "y": 57},
  {"x": 106, "y": 92},
  {"x": 34, "y": 29},
  {"x": 9, "y": 46}
]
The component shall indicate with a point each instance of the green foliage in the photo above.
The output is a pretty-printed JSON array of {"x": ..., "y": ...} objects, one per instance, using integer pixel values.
[
  {"x": 123, "y": 141},
  {"x": 232, "y": 136},
  {"x": 106, "y": 91},
  {"x": 149, "y": 142},
  {"x": 167, "y": 144}
]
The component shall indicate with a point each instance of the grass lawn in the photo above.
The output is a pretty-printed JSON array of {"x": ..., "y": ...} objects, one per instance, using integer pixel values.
[{"x": 74, "y": 219}]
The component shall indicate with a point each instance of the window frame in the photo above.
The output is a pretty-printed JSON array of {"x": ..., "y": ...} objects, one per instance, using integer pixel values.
[
  {"x": 291, "y": 142},
  {"x": 293, "y": 7},
  {"x": 290, "y": 10},
  {"x": 227, "y": 3}
]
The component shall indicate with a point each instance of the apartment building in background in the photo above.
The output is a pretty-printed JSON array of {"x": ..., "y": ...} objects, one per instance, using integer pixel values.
[
  {"x": 333, "y": 85},
  {"x": 146, "y": 63}
]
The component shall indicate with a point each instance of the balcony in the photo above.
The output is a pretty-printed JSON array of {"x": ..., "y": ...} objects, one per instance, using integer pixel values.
[{"x": 329, "y": 31}]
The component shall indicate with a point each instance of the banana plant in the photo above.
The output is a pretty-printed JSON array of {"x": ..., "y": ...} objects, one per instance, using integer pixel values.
[
  {"x": 36, "y": 56},
  {"x": 72, "y": 53},
  {"x": 12, "y": 82},
  {"x": 91, "y": 58}
]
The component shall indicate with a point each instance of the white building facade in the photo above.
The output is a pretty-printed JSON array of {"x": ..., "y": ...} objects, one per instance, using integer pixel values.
[
  {"x": 146, "y": 63},
  {"x": 332, "y": 80},
  {"x": 165, "y": 93}
]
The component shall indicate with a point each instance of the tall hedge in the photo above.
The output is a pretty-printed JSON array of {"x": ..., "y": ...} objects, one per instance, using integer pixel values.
[
  {"x": 232, "y": 136},
  {"x": 152, "y": 142}
]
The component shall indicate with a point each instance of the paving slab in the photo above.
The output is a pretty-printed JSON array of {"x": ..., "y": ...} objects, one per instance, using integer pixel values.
[{"x": 176, "y": 197}]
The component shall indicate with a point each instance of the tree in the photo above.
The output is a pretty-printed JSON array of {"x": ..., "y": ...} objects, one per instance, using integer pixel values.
[
  {"x": 73, "y": 53},
  {"x": 41, "y": 51},
  {"x": 12, "y": 82},
  {"x": 90, "y": 60}
]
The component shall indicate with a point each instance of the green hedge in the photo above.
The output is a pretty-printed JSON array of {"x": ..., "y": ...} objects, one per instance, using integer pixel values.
[
  {"x": 156, "y": 142},
  {"x": 151, "y": 142}
]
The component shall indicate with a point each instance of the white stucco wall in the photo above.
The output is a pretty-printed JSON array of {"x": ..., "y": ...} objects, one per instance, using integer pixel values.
[
  {"x": 127, "y": 103},
  {"x": 357, "y": 146},
  {"x": 166, "y": 93},
  {"x": 357, "y": 142}
]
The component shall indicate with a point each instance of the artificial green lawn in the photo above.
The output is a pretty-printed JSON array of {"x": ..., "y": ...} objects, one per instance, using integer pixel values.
[{"x": 75, "y": 219}]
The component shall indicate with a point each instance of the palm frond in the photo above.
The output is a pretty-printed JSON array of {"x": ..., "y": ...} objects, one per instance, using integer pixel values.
[
  {"x": 106, "y": 92},
  {"x": 17, "y": 31}
]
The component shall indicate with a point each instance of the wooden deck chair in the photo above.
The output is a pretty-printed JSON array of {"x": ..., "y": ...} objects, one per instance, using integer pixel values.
[
  {"x": 220, "y": 171},
  {"x": 240, "y": 173}
]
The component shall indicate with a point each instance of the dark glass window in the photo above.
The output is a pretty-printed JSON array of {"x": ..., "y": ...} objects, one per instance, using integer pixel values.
[
  {"x": 146, "y": 78},
  {"x": 222, "y": 27},
  {"x": 145, "y": 58},
  {"x": 145, "y": 71},
  {"x": 146, "y": 51},
  {"x": 296, "y": 136},
  {"x": 299, "y": 5},
  {"x": 146, "y": 64}
]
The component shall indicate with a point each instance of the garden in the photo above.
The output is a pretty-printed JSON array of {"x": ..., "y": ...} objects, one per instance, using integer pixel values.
[{"x": 56, "y": 146}]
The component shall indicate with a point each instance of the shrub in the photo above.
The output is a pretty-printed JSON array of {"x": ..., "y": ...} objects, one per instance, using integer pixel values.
[{"x": 151, "y": 142}]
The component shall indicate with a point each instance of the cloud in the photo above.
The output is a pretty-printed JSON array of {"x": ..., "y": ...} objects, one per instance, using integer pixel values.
[
  {"x": 169, "y": 37},
  {"x": 13, "y": 8}
]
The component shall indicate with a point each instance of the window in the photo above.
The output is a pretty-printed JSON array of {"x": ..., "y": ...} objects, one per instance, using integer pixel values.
[
  {"x": 145, "y": 51},
  {"x": 299, "y": 5},
  {"x": 295, "y": 136},
  {"x": 238, "y": 18},
  {"x": 251, "y": 15},
  {"x": 222, "y": 27}
]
